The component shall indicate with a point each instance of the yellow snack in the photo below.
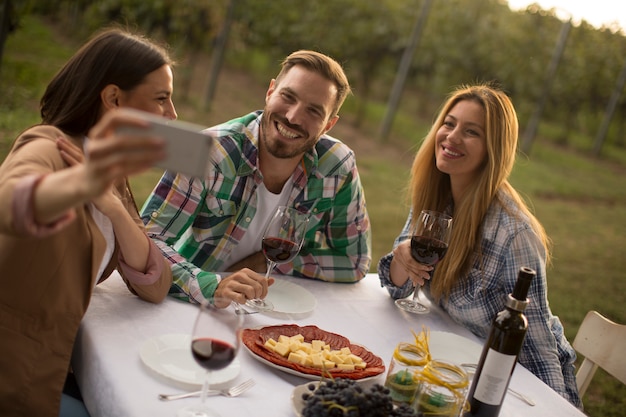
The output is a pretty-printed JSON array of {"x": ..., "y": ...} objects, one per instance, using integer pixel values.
[
  {"x": 282, "y": 349},
  {"x": 270, "y": 344},
  {"x": 317, "y": 361},
  {"x": 298, "y": 338},
  {"x": 317, "y": 345},
  {"x": 296, "y": 357},
  {"x": 316, "y": 354}
]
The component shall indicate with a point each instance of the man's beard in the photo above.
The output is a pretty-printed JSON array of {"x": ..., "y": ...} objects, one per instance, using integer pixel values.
[{"x": 281, "y": 149}]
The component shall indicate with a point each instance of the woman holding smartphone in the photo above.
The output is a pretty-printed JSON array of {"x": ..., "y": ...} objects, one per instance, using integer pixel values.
[{"x": 67, "y": 220}]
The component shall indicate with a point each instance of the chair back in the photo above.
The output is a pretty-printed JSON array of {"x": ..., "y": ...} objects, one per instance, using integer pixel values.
[{"x": 603, "y": 344}]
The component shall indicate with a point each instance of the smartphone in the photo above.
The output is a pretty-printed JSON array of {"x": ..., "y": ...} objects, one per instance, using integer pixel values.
[{"x": 188, "y": 148}]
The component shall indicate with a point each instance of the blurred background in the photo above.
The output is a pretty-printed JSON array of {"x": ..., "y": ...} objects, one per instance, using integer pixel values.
[{"x": 565, "y": 74}]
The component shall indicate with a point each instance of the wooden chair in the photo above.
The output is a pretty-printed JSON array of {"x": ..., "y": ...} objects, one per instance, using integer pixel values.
[{"x": 602, "y": 343}]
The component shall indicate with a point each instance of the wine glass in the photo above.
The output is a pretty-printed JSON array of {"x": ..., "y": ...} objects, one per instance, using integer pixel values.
[
  {"x": 429, "y": 243},
  {"x": 214, "y": 345},
  {"x": 282, "y": 240}
]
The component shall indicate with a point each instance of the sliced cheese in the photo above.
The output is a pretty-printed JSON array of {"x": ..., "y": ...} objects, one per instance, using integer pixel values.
[
  {"x": 282, "y": 349},
  {"x": 315, "y": 354}
]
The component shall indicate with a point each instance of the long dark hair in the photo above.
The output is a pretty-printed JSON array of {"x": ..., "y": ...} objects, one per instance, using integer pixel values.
[{"x": 116, "y": 56}]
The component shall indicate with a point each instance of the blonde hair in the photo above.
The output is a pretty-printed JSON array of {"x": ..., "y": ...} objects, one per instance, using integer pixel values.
[{"x": 430, "y": 188}]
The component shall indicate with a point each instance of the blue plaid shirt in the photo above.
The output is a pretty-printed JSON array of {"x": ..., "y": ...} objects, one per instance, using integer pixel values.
[{"x": 508, "y": 243}]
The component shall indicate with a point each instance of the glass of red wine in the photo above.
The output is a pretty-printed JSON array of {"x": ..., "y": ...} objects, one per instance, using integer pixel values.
[
  {"x": 214, "y": 345},
  {"x": 429, "y": 243},
  {"x": 282, "y": 240}
]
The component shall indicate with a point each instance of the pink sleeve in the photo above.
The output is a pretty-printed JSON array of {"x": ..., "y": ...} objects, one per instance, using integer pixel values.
[
  {"x": 23, "y": 208},
  {"x": 154, "y": 267}
]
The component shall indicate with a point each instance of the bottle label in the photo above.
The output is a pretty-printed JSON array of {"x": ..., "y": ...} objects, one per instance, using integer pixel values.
[{"x": 494, "y": 377}]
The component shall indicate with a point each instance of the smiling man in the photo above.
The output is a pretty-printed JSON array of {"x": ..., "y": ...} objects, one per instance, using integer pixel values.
[{"x": 281, "y": 155}]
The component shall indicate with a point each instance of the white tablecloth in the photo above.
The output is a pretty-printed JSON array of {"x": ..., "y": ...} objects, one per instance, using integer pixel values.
[{"x": 115, "y": 383}]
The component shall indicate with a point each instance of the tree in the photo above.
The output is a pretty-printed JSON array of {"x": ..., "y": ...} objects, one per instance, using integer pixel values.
[{"x": 362, "y": 35}]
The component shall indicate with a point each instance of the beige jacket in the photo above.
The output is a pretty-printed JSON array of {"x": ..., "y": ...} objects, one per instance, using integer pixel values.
[{"x": 47, "y": 283}]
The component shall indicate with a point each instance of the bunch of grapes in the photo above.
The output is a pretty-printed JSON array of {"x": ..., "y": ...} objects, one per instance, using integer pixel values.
[{"x": 344, "y": 398}]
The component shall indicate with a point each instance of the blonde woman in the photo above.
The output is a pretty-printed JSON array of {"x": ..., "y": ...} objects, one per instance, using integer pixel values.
[{"x": 462, "y": 168}]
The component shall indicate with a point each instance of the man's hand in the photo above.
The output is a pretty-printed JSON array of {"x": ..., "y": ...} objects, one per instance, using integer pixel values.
[{"x": 242, "y": 286}]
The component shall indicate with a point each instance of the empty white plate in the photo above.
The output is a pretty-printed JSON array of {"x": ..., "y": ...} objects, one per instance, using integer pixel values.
[
  {"x": 169, "y": 356},
  {"x": 290, "y": 299},
  {"x": 453, "y": 348}
]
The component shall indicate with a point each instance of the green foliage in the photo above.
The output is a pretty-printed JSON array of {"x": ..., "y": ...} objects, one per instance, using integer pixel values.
[
  {"x": 23, "y": 77},
  {"x": 376, "y": 36},
  {"x": 463, "y": 41},
  {"x": 185, "y": 24}
]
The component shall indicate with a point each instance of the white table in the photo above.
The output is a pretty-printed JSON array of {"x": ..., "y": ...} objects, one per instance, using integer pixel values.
[{"x": 115, "y": 383}]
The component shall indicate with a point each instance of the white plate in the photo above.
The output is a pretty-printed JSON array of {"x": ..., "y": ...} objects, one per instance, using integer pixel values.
[
  {"x": 290, "y": 299},
  {"x": 169, "y": 356},
  {"x": 453, "y": 348},
  {"x": 297, "y": 402}
]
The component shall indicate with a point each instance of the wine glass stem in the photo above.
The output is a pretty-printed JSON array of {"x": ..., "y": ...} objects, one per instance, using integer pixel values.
[
  {"x": 270, "y": 268},
  {"x": 205, "y": 387},
  {"x": 416, "y": 293}
]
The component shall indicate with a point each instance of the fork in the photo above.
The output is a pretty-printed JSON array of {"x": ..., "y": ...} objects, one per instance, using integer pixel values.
[
  {"x": 472, "y": 368},
  {"x": 230, "y": 392}
]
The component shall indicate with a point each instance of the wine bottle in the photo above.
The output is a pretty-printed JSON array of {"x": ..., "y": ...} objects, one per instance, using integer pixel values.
[{"x": 500, "y": 351}]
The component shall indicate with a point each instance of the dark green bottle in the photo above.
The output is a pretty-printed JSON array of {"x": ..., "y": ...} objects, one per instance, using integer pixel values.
[{"x": 500, "y": 352}]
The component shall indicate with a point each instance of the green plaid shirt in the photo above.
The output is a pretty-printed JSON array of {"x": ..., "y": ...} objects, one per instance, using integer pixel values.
[{"x": 196, "y": 222}]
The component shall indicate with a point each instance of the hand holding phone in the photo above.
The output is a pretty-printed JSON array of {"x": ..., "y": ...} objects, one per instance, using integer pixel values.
[{"x": 188, "y": 148}]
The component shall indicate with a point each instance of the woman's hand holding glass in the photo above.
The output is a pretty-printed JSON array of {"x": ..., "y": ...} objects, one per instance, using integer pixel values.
[
  {"x": 416, "y": 272},
  {"x": 428, "y": 244}
]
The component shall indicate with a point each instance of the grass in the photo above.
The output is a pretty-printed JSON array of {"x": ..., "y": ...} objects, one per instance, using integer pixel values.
[
  {"x": 380, "y": 181},
  {"x": 580, "y": 200}
]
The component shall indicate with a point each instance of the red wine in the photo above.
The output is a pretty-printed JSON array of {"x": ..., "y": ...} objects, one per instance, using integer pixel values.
[
  {"x": 279, "y": 250},
  {"x": 212, "y": 354},
  {"x": 426, "y": 250},
  {"x": 500, "y": 352}
]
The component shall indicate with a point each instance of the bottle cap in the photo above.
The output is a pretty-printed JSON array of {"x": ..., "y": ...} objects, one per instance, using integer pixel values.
[
  {"x": 524, "y": 279},
  {"x": 517, "y": 299}
]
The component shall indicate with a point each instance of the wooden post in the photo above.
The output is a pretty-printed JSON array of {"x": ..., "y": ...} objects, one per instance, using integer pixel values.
[
  {"x": 218, "y": 53},
  {"x": 533, "y": 123},
  {"x": 405, "y": 64},
  {"x": 610, "y": 110}
]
